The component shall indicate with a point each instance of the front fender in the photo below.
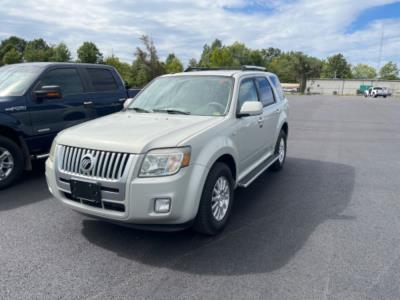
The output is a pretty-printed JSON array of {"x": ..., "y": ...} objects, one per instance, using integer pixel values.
[
  {"x": 9, "y": 121},
  {"x": 214, "y": 149}
]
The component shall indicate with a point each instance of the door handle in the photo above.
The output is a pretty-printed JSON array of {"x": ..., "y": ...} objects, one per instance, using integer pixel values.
[
  {"x": 87, "y": 102},
  {"x": 121, "y": 99},
  {"x": 260, "y": 122},
  {"x": 278, "y": 110}
]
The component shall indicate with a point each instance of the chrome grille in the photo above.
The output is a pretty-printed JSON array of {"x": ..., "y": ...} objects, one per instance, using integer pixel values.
[{"x": 107, "y": 165}]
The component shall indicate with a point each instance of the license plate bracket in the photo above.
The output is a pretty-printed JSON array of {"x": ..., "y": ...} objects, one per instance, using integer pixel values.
[{"x": 85, "y": 190}]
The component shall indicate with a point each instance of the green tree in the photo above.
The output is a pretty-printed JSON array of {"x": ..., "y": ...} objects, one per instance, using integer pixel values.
[
  {"x": 192, "y": 63},
  {"x": 205, "y": 56},
  {"x": 363, "y": 71},
  {"x": 123, "y": 69},
  {"x": 173, "y": 64},
  {"x": 146, "y": 65},
  {"x": 221, "y": 57},
  {"x": 270, "y": 53},
  {"x": 389, "y": 71},
  {"x": 10, "y": 43},
  {"x": 282, "y": 65},
  {"x": 12, "y": 57},
  {"x": 37, "y": 50},
  {"x": 296, "y": 67},
  {"x": 244, "y": 56},
  {"x": 61, "y": 53},
  {"x": 336, "y": 66},
  {"x": 207, "y": 52},
  {"x": 89, "y": 53}
]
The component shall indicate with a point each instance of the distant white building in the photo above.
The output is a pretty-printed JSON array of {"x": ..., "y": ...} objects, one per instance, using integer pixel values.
[{"x": 349, "y": 86}]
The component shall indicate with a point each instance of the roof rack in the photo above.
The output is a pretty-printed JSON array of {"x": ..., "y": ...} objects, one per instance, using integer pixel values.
[{"x": 241, "y": 68}]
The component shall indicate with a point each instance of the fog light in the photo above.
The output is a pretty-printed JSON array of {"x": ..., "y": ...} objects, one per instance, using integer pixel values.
[{"x": 162, "y": 205}]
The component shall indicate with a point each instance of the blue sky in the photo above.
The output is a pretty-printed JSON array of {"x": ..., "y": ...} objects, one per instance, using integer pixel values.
[{"x": 316, "y": 27}]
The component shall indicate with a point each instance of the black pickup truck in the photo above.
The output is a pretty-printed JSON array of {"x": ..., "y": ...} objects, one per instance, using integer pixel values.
[{"x": 37, "y": 100}]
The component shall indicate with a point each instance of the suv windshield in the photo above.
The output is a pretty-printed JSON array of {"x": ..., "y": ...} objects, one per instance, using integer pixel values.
[
  {"x": 197, "y": 95},
  {"x": 16, "y": 79}
]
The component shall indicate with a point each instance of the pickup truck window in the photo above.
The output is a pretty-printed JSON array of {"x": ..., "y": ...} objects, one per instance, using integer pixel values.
[
  {"x": 102, "y": 79},
  {"x": 247, "y": 92},
  {"x": 67, "y": 79},
  {"x": 265, "y": 90},
  {"x": 198, "y": 95},
  {"x": 15, "y": 80}
]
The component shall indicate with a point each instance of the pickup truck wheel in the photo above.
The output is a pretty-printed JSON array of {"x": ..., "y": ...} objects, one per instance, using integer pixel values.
[
  {"x": 280, "y": 150},
  {"x": 11, "y": 162},
  {"x": 216, "y": 201}
]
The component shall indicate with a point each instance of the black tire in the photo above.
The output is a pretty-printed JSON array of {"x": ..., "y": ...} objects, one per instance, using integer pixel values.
[
  {"x": 205, "y": 221},
  {"x": 18, "y": 162},
  {"x": 279, "y": 163}
]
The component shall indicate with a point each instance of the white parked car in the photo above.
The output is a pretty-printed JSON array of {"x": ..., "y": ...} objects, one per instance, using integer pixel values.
[
  {"x": 377, "y": 92},
  {"x": 176, "y": 153}
]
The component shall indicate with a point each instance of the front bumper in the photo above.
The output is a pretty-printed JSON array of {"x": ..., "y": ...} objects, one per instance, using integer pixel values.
[{"x": 136, "y": 195}]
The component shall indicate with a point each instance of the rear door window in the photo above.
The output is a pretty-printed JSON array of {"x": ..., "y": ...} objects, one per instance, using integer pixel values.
[
  {"x": 67, "y": 79},
  {"x": 102, "y": 79},
  {"x": 265, "y": 91}
]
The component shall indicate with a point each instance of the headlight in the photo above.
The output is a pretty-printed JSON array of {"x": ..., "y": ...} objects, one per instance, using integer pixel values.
[
  {"x": 53, "y": 150},
  {"x": 164, "y": 162}
]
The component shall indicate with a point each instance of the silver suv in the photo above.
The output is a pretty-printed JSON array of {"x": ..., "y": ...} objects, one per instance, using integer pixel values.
[{"x": 173, "y": 157}]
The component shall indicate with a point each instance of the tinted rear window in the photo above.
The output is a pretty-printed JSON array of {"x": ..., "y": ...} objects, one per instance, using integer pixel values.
[
  {"x": 265, "y": 90},
  {"x": 102, "y": 79}
]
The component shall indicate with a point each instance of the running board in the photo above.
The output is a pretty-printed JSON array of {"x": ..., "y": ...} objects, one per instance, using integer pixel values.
[{"x": 249, "y": 178}]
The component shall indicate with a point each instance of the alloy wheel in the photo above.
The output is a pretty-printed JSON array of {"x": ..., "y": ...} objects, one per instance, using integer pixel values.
[{"x": 6, "y": 163}]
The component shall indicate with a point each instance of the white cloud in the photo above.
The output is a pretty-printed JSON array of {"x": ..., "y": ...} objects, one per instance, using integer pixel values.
[{"x": 317, "y": 27}]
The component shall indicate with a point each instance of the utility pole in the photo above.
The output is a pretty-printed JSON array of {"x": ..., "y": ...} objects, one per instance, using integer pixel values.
[{"x": 380, "y": 49}]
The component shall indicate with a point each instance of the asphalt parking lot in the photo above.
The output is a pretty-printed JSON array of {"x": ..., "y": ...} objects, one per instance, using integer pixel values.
[{"x": 326, "y": 227}]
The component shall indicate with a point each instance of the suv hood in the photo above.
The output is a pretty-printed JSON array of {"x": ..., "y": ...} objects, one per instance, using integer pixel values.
[{"x": 133, "y": 132}]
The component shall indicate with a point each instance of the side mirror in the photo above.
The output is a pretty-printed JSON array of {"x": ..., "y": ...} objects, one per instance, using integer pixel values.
[
  {"x": 127, "y": 102},
  {"x": 48, "y": 92},
  {"x": 251, "y": 108}
]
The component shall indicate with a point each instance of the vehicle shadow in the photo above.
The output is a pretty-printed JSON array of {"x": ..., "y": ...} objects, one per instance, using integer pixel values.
[
  {"x": 270, "y": 223},
  {"x": 30, "y": 189}
]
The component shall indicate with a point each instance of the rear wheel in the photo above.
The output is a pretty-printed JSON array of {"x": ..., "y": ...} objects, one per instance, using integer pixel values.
[
  {"x": 11, "y": 162},
  {"x": 280, "y": 151},
  {"x": 216, "y": 201}
]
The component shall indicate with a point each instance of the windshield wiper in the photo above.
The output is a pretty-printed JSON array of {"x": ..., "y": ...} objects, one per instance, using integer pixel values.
[
  {"x": 140, "y": 109},
  {"x": 172, "y": 111}
]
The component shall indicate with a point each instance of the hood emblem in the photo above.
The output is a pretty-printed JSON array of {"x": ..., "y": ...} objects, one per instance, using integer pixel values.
[{"x": 87, "y": 163}]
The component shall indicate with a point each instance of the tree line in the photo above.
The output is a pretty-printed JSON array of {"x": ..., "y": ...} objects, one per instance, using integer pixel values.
[{"x": 291, "y": 66}]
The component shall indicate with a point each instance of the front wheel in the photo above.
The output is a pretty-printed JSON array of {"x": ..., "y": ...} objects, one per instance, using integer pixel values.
[
  {"x": 280, "y": 151},
  {"x": 11, "y": 162},
  {"x": 216, "y": 201}
]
